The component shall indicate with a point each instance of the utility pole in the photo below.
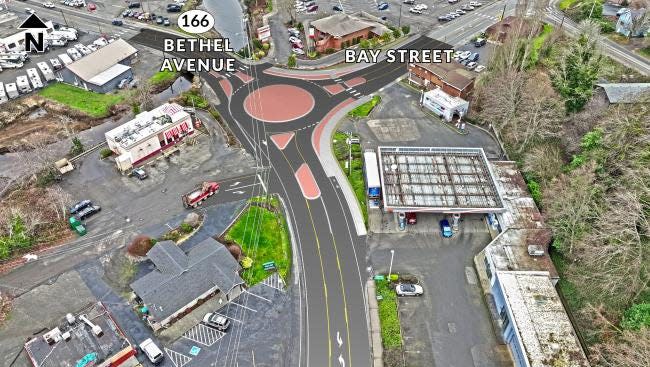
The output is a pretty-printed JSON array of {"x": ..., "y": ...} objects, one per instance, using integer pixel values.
[
  {"x": 399, "y": 23},
  {"x": 390, "y": 268},
  {"x": 562, "y": 22},
  {"x": 503, "y": 14},
  {"x": 64, "y": 20}
]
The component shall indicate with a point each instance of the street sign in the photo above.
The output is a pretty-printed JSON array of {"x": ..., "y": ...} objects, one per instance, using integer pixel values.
[
  {"x": 264, "y": 33},
  {"x": 34, "y": 38}
]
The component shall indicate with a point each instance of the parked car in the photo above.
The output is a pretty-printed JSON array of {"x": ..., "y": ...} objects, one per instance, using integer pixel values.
[
  {"x": 126, "y": 13},
  {"x": 444, "y": 18},
  {"x": 471, "y": 65},
  {"x": 174, "y": 8},
  {"x": 473, "y": 57},
  {"x": 421, "y": 7},
  {"x": 460, "y": 11},
  {"x": 139, "y": 173},
  {"x": 122, "y": 84},
  {"x": 297, "y": 51},
  {"x": 29, "y": 11},
  {"x": 88, "y": 211},
  {"x": 151, "y": 350},
  {"x": 479, "y": 68},
  {"x": 293, "y": 39},
  {"x": 159, "y": 20},
  {"x": 312, "y": 9},
  {"x": 166, "y": 22},
  {"x": 133, "y": 5},
  {"x": 217, "y": 321},
  {"x": 465, "y": 54},
  {"x": 117, "y": 22},
  {"x": 405, "y": 289},
  {"x": 294, "y": 32},
  {"x": 475, "y": 3},
  {"x": 337, "y": 8},
  {"x": 80, "y": 205},
  {"x": 415, "y": 11},
  {"x": 411, "y": 218},
  {"x": 410, "y": 2},
  {"x": 480, "y": 42},
  {"x": 445, "y": 228},
  {"x": 452, "y": 1},
  {"x": 382, "y": 6},
  {"x": 48, "y": 5},
  {"x": 92, "y": 7}
]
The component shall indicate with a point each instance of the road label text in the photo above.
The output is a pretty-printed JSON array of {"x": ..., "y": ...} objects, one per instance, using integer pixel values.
[
  {"x": 206, "y": 46},
  {"x": 399, "y": 56}
]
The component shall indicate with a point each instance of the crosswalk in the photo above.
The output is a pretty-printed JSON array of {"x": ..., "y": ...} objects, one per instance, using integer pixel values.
[
  {"x": 274, "y": 281},
  {"x": 353, "y": 92}
]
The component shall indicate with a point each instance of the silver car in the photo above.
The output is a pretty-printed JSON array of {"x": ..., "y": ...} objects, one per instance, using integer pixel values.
[
  {"x": 404, "y": 289},
  {"x": 217, "y": 321}
]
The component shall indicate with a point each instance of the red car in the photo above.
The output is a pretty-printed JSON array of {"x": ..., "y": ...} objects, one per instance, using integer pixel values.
[
  {"x": 411, "y": 218},
  {"x": 92, "y": 7}
]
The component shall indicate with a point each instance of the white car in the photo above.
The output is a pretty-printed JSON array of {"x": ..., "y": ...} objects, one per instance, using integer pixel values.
[
  {"x": 48, "y": 5},
  {"x": 471, "y": 65},
  {"x": 479, "y": 68},
  {"x": 29, "y": 11},
  {"x": 415, "y": 11},
  {"x": 452, "y": 1},
  {"x": 293, "y": 39},
  {"x": 297, "y": 51},
  {"x": 475, "y": 3},
  {"x": 465, "y": 54},
  {"x": 421, "y": 7},
  {"x": 404, "y": 289}
]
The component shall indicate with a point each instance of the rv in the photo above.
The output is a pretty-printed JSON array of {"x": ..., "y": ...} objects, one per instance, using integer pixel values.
[
  {"x": 57, "y": 41},
  {"x": 46, "y": 71},
  {"x": 64, "y": 34},
  {"x": 33, "y": 76},
  {"x": 56, "y": 64},
  {"x": 65, "y": 59},
  {"x": 12, "y": 90},
  {"x": 23, "y": 84},
  {"x": 13, "y": 56},
  {"x": 11, "y": 64},
  {"x": 3, "y": 95},
  {"x": 74, "y": 54},
  {"x": 82, "y": 49}
]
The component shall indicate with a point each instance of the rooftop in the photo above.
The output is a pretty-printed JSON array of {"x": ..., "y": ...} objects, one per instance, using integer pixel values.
[
  {"x": 627, "y": 92},
  {"x": 445, "y": 99},
  {"x": 539, "y": 317},
  {"x": 453, "y": 73},
  {"x": 339, "y": 25},
  {"x": 83, "y": 343},
  {"x": 180, "y": 278},
  {"x": 438, "y": 180},
  {"x": 521, "y": 249},
  {"x": 101, "y": 60},
  {"x": 109, "y": 74},
  {"x": 146, "y": 124}
]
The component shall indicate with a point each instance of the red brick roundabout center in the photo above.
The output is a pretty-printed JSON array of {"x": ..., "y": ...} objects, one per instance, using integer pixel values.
[{"x": 279, "y": 103}]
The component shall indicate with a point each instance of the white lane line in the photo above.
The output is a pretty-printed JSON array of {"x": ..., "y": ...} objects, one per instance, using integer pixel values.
[
  {"x": 262, "y": 182},
  {"x": 258, "y": 296},
  {"x": 240, "y": 187},
  {"x": 248, "y": 308}
]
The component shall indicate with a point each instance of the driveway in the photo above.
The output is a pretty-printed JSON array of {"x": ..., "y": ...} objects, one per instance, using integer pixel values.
[{"x": 449, "y": 325}]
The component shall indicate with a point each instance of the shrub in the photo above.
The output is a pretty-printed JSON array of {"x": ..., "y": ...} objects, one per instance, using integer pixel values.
[
  {"x": 266, "y": 46},
  {"x": 607, "y": 27},
  {"x": 329, "y": 50},
  {"x": 257, "y": 43},
  {"x": 140, "y": 245},
  {"x": 291, "y": 62},
  {"x": 186, "y": 227},
  {"x": 246, "y": 262},
  {"x": 77, "y": 147},
  {"x": 636, "y": 317},
  {"x": 300, "y": 27},
  {"x": 261, "y": 54},
  {"x": 397, "y": 33},
  {"x": 535, "y": 188},
  {"x": 135, "y": 107},
  {"x": 406, "y": 29},
  {"x": 105, "y": 153},
  {"x": 174, "y": 235},
  {"x": 364, "y": 44}
]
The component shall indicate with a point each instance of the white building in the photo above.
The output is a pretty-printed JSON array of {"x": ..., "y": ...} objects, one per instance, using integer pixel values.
[
  {"x": 444, "y": 105},
  {"x": 149, "y": 133}
]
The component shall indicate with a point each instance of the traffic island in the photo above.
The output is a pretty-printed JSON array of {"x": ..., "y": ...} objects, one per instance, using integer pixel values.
[
  {"x": 351, "y": 162},
  {"x": 391, "y": 335}
]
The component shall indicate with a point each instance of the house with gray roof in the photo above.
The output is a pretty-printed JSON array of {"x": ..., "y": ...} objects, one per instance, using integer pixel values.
[
  {"x": 342, "y": 30},
  {"x": 181, "y": 281},
  {"x": 626, "y": 92}
]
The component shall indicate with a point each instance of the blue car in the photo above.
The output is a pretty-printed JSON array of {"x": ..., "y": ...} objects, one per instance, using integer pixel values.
[
  {"x": 445, "y": 228},
  {"x": 382, "y": 6}
]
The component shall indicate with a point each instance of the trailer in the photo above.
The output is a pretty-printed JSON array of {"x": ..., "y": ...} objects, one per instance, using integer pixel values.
[
  {"x": 14, "y": 56},
  {"x": 196, "y": 197},
  {"x": 33, "y": 76},
  {"x": 23, "y": 84},
  {"x": 56, "y": 64},
  {"x": 70, "y": 36},
  {"x": 373, "y": 183},
  {"x": 12, "y": 90},
  {"x": 65, "y": 59},
  {"x": 46, "y": 71},
  {"x": 11, "y": 64},
  {"x": 3, "y": 95}
]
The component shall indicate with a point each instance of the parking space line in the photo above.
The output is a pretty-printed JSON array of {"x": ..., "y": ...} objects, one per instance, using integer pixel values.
[
  {"x": 258, "y": 296},
  {"x": 203, "y": 334},
  {"x": 246, "y": 307},
  {"x": 232, "y": 318},
  {"x": 178, "y": 359}
]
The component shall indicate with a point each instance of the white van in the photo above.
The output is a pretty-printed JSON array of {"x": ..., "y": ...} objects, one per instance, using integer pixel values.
[
  {"x": 3, "y": 95},
  {"x": 151, "y": 350}
]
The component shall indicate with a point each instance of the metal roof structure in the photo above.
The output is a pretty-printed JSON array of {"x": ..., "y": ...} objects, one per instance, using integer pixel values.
[{"x": 442, "y": 180}]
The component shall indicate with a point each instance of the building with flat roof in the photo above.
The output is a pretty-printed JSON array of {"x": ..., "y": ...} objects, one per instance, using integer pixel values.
[
  {"x": 445, "y": 106},
  {"x": 102, "y": 70},
  {"x": 535, "y": 324},
  {"x": 452, "y": 77},
  {"x": 90, "y": 337},
  {"x": 437, "y": 180},
  {"x": 340, "y": 30},
  {"x": 149, "y": 133},
  {"x": 181, "y": 281}
]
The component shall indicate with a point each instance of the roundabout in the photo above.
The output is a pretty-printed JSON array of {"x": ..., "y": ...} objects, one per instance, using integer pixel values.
[{"x": 279, "y": 103}]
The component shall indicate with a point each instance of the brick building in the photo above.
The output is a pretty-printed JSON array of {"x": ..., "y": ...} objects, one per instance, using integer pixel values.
[
  {"x": 451, "y": 77},
  {"x": 337, "y": 30}
]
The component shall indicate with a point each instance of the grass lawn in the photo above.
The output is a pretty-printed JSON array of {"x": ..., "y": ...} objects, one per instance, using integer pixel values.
[
  {"x": 364, "y": 109},
  {"x": 391, "y": 334},
  {"x": 356, "y": 178},
  {"x": 565, "y": 4},
  {"x": 163, "y": 77},
  {"x": 645, "y": 52},
  {"x": 263, "y": 236},
  {"x": 194, "y": 99},
  {"x": 94, "y": 104}
]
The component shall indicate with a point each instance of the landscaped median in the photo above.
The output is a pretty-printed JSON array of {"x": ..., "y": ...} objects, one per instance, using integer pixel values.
[
  {"x": 391, "y": 334},
  {"x": 365, "y": 109},
  {"x": 263, "y": 235},
  {"x": 355, "y": 174},
  {"x": 94, "y": 104}
]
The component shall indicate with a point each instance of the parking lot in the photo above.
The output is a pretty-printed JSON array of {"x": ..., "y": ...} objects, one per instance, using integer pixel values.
[{"x": 449, "y": 324}]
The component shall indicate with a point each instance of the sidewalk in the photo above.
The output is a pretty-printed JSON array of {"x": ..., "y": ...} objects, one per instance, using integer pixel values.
[{"x": 377, "y": 350}]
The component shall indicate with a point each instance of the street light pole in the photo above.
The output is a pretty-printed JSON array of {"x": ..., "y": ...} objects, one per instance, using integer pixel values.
[
  {"x": 399, "y": 23},
  {"x": 390, "y": 268},
  {"x": 503, "y": 14}
]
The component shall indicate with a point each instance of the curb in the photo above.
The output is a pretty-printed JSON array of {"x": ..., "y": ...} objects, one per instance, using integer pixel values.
[{"x": 377, "y": 350}]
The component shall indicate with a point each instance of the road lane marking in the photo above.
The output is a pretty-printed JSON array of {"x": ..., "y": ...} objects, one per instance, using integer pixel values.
[
  {"x": 262, "y": 182},
  {"x": 240, "y": 187}
]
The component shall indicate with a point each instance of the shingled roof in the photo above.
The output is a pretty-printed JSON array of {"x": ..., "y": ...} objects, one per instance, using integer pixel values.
[
  {"x": 340, "y": 25},
  {"x": 180, "y": 278}
]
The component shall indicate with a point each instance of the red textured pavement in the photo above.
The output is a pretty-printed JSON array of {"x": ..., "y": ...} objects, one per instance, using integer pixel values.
[
  {"x": 334, "y": 88},
  {"x": 282, "y": 140},
  {"x": 244, "y": 77},
  {"x": 279, "y": 103},
  {"x": 298, "y": 76},
  {"x": 355, "y": 81},
  {"x": 318, "y": 131},
  {"x": 307, "y": 182},
  {"x": 226, "y": 86}
]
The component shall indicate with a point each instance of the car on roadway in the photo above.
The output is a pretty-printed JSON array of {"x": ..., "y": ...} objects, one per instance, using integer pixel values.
[
  {"x": 297, "y": 51},
  {"x": 479, "y": 68},
  {"x": 80, "y": 205},
  {"x": 475, "y": 4},
  {"x": 471, "y": 65},
  {"x": 465, "y": 54},
  {"x": 29, "y": 11},
  {"x": 411, "y": 218},
  {"x": 421, "y": 7},
  {"x": 467, "y": 7},
  {"x": 174, "y": 8},
  {"x": 409, "y": 2},
  {"x": 382, "y": 6},
  {"x": 48, "y": 5},
  {"x": 445, "y": 228},
  {"x": 337, "y": 8},
  {"x": 409, "y": 290},
  {"x": 117, "y": 22},
  {"x": 217, "y": 321},
  {"x": 88, "y": 211},
  {"x": 480, "y": 42},
  {"x": 415, "y": 11},
  {"x": 460, "y": 11}
]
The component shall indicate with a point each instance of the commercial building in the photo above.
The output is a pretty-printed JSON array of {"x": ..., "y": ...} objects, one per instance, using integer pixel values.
[
  {"x": 182, "y": 281},
  {"x": 437, "y": 180},
  {"x": 445, "y": 106},
  {"x": 90, "y": 337},
  {"x": 452, "y": 77},
  {"x": 102, "y": 70},
  {"x": 149, "y": 133},
  {"x": 340, "y": 30}
]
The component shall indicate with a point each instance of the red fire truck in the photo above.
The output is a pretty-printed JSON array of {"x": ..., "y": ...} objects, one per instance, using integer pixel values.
[{"x": 196, "y": 197}]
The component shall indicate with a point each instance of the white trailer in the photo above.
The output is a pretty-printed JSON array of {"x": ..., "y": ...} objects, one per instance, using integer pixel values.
[
  {"x": 46, "y": 71},
  {"x": 56, "y": 64},
  {"x": 23, "y": 84},
  {"x": 66, "y": 59},
  {"x": 69, "y": 35},
  {"x": 33, "y": 76},
  {"x": 12, "y": 90},
  {"x": 3, "y": 95}
]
